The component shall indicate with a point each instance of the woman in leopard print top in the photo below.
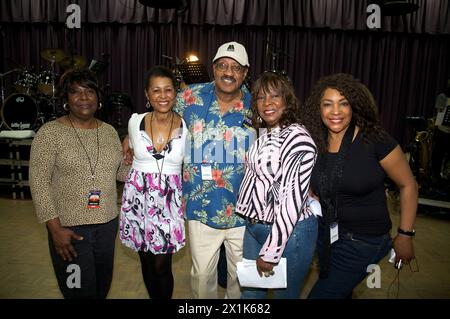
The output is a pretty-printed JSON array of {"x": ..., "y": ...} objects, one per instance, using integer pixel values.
[{"x": 74, "y": 163}]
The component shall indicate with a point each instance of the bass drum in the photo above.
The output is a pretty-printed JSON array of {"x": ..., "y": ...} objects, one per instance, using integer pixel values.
[{"x": 20, "y": 112}]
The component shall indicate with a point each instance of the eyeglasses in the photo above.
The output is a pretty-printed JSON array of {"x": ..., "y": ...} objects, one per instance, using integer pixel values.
[
  {"x": 223, "y": 67},
  {"x": 394, "y": 292}
]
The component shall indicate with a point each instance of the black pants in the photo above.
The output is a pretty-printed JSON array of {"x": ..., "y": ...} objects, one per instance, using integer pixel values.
[
  {"x": 89, "y": 275},
  {"x": 157, "y": 274}
]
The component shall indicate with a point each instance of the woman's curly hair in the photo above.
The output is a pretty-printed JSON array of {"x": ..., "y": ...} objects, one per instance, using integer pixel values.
[
  {"x": 362, "y": 102},
  {"x": 293, "y": 113}
]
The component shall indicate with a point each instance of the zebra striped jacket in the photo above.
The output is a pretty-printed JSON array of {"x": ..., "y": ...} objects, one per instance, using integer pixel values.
[{"x": 276, "y": 183}]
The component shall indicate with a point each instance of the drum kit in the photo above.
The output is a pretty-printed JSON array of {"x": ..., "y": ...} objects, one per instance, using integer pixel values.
[{"x": 35, "y": 100}]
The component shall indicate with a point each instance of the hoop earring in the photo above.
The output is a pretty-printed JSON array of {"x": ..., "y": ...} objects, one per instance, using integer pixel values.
[
  {"x": 259, "y": 119},
  {"x": 148, "y": 105},
  {"x": 100, "y": 105},
  {"x": 65, "y": 108}
]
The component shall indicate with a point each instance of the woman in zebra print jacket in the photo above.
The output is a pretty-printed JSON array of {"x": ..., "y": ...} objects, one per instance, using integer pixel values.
[{"x": 273, "y": 196}]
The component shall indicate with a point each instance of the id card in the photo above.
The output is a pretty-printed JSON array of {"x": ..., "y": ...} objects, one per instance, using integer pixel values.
[
  {"x": 334, "y": 232},
  {"x": 247, "y": 123},
  {"x": 94, "y": 199},
  {"x": 206, "y": 172}
]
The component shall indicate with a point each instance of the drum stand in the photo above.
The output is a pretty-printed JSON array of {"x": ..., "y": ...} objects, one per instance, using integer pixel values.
[
  {"x": 2, "y": 89},
  {"x": 53, "y": 98},
  {"x": 2, "y": 92},
  {"x": 2, "y": 86},
  {"x": 118, "y": 109}
]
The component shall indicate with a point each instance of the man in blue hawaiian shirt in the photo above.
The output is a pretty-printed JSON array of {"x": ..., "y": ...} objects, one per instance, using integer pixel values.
[{"x": 218, "y": 117}]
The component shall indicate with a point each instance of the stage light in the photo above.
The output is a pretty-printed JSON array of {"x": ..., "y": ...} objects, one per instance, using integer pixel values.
[{"x": 192, "y": 58}]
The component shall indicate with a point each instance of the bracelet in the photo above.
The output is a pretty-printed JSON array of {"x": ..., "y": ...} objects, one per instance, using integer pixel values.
[{"x": 407, "y": 233}]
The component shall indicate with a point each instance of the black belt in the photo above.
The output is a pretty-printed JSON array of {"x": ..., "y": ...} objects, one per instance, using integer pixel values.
[{"x": 257, "y": 221}]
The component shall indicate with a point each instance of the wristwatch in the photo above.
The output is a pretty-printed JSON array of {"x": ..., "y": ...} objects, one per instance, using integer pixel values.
[{"x": 406, "y": 233}]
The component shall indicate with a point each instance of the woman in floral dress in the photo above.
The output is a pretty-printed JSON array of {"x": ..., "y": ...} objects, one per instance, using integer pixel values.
[{"x": 151, "y": 221}]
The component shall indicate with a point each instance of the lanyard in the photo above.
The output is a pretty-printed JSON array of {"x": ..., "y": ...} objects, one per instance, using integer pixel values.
[{"x": 92, "y": 168}]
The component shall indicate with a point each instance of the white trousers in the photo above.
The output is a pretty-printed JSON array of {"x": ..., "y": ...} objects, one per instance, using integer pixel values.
[{"x": 205, "y": 242}]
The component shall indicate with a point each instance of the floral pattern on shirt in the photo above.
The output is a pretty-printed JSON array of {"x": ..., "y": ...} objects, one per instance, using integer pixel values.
[{"x": 220, "y": 141}]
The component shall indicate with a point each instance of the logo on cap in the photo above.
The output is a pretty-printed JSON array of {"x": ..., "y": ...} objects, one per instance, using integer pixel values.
[{"x": 230, "y": 48}]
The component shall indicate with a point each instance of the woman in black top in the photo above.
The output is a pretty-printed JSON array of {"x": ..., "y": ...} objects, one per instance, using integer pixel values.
[{"x": 349, "y": 179}]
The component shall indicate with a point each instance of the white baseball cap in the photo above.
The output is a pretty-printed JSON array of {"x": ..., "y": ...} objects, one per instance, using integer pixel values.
[{"x": 233, "y": 50}]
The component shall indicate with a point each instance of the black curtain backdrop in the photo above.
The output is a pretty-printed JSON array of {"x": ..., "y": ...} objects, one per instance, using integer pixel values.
[
  {"x": 405, "y": 70},
  {"x": 433, "y": 16}
]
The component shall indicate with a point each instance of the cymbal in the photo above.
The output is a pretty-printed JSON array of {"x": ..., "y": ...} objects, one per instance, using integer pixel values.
[
  {"x": 53, "y": 55},
  {"x": 73, "y": 62}
]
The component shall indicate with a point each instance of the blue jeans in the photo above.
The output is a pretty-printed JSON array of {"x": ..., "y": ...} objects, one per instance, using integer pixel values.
[
  {"x": 95, "y": 260},
  {"x": 299, "y": 252},
  {"x": 350, "y": 256}
]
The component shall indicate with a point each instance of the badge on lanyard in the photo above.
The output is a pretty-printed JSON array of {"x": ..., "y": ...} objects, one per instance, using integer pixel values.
[
  {"x": 94, "y": 199},
  {"x": 334, "y": 232},
  {"x": 206, "y": 172},
  {"x": 247, "y": 123}
]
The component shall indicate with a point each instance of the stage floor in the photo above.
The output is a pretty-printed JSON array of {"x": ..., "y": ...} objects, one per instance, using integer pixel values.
[{"x": 26, "y": 270}]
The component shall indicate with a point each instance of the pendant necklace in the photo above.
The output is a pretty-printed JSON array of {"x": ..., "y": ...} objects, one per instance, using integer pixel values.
[{"x": 160, "y": 140}]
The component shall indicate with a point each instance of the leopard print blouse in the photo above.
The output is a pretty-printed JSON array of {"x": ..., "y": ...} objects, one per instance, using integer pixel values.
[{"x": 60, "y": 174}]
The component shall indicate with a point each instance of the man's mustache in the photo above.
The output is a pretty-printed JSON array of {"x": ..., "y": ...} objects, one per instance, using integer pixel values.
[{"x": 228, "y": 78}]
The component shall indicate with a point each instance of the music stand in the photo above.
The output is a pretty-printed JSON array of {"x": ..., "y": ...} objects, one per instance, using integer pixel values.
[
  {"x": 98, "y": 66},
  {"x": 193, "y": 72},
  {"x": 443, "y": 118}
]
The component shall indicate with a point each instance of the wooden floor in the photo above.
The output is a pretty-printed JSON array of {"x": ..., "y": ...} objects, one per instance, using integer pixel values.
[{"x": 26, "y": 270}]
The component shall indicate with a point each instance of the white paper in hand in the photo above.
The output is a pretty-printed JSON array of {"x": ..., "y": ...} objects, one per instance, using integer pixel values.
[
  {"x": 248, "y": 275},
  {"x": 314, "y": 206}
]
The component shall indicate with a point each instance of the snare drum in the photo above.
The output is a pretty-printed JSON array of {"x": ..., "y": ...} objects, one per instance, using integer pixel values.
[
  {"x": 45, "y": 82},
  {"x": 20, "y": 112},
  {"x": 26, "y": 82}
]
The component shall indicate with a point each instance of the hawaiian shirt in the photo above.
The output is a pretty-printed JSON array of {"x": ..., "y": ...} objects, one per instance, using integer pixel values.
[{"x": 217, "y": 144}]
